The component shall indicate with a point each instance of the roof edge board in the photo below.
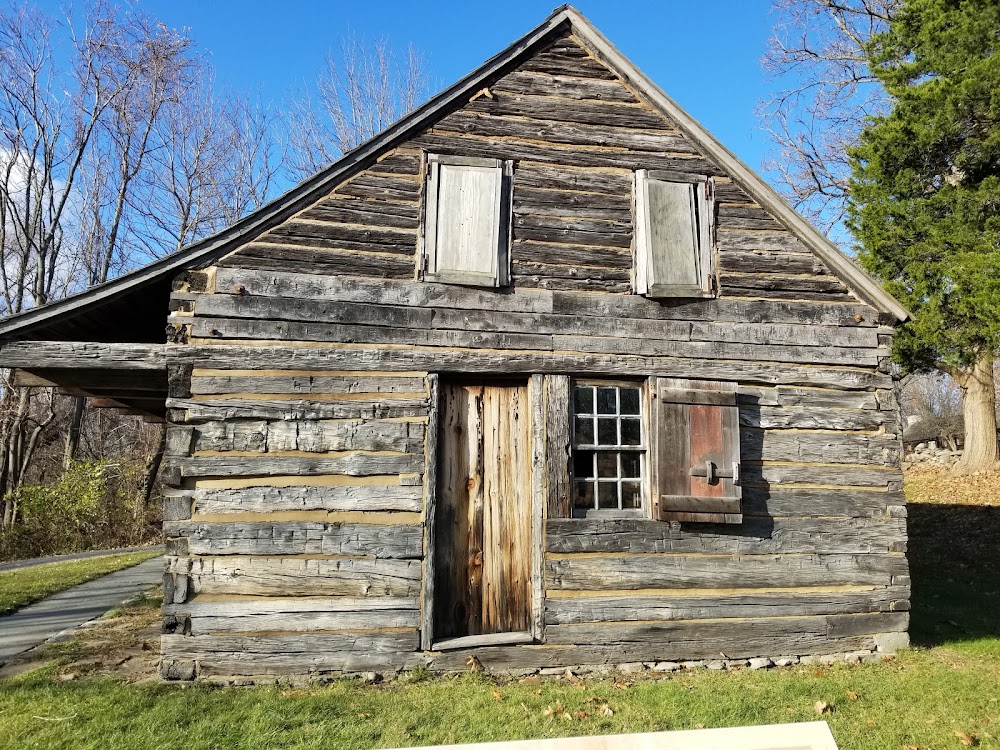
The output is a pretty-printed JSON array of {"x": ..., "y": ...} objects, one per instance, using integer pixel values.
[{"x": 855, "y": 277}]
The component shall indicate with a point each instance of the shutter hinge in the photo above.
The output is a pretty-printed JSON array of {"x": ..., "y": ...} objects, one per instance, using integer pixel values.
[{"x": 712, "y": 474}]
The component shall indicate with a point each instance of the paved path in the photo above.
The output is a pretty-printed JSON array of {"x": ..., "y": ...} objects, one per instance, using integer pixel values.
[
  {"x": 13, "y": 565},
  {"x": 38, "y": 622}
]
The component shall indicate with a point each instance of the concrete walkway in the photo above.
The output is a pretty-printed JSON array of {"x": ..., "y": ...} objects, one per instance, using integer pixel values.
[
  {"x": 38, "y": 622},
  {"x": 15, "y": 564}
]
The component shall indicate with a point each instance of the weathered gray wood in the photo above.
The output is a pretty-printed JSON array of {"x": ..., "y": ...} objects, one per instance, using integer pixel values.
[
  {"x": 572, "y": 231},
  {"x": 597, "y": 572},
  {"x": 472, "y": 361},
  {"x": 310, "y": 436},
  {"x": 256, "y": 329},
  {"x": 616, "y": 185},
  {"x": 539, "y": 490},
  {"x": 280, "y": 499},
  {"x": 299, "y": 576},
  {"x": 563, "y": 132},
  {"x": 755, "y": 536},
  {"x": 809, "y": 397},
  {"x": 484, "y": 639},
  {"x": 557, "y": 63},
  {"x": 799, "y": 417},
  {"x": 776, "y": 501},
  {"x": 388, "y": 187},
  {"x": 285, "y": 614},
  {"x": 723, "y": 632},
  {"x": 342, "y": 237},
  {"x": 310, "y": 260},
  {"x": 567, "y": 611},
  {"x": 298, "y": 538},
  {"x": 579, "y": 156},
  {"x": 357, "y": 651},
  {"x": 691, "y": 640},
  {"x": 389, "y": 407},
  {"x": 355, "y": 464},
  {"x": 524, "y": 252},
  {"x": 758, "y": 262},
  {"x": 367, "y": 212},
  {"x": 785, "y": 283},
  {"x": 863, "y": 624},
  {"x": 281, "y": 283},
  {"x": 557, "y": 446},
  {"x": 570, "y": 87},
  {"x": 430, "y": 490},
  {"x": 846, "y": 476},
  {"x": 311, "y": 384},
  {"x": 819, "y": 447},
  {"x": 88, "y": 355}
]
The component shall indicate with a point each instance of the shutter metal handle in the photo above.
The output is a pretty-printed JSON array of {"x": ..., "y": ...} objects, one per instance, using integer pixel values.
[{"x": 712, "y": 474}]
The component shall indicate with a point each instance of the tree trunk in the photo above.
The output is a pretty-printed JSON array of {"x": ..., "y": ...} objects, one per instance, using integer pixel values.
[
  {"x": 75, "y": 427},
  {"x": 979, "y": 410},
  {"x": 153, "y": 467}
]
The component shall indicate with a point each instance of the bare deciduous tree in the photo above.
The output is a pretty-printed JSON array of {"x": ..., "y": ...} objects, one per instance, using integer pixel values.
[
  {"x": 362, "y": 90},
  {"x": 114, "y": 149},
  {"x": 816, "y": 58}
]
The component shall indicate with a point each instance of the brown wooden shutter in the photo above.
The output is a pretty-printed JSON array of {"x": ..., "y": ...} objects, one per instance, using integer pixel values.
[{"x": 697, "y": 452}]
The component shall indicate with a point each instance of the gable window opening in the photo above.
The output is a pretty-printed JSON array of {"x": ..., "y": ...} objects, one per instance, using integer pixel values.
[
  {"x": 674, "y": 234},
  {"x": 467, "y": 215},
  {"x": 609, "y": 450}
]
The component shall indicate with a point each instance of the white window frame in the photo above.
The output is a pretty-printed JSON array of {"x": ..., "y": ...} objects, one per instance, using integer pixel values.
[
  {"x": 499, "y": 276},
  {"x": 703, "y": 225},
  {"x": 642, "y": 449}
]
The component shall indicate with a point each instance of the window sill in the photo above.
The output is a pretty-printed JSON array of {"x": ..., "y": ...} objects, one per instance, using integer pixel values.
[
  {"x": 489, "y": 639},
  {"x": 608, "y": 515}
]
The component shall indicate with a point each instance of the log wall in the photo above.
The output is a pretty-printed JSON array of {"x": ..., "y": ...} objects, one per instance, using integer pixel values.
[{"x": 300, "y": 399}]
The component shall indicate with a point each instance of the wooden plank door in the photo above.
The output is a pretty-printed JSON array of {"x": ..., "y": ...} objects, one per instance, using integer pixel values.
[{"x": 483, "y": 519}]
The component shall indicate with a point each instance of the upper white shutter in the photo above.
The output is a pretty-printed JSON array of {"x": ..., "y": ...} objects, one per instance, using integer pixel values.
[
  {"x": 466, "y": 221},
  {"x": 673, "y": 234}
]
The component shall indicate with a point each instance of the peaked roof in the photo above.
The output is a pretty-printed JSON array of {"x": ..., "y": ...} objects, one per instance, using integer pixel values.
[{"x": 122, "y": 295}]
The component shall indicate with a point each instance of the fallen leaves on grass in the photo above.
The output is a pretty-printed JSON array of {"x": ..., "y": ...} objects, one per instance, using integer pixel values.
[
  {"x": 822, "y": 707},
  {"x": 851, "y": 695},
  {"x": 558, "y": 711},
  {"x": 966, "y": 739}
]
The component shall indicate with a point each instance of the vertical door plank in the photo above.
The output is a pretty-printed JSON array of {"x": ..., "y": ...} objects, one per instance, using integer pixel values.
[
  {"x": 539, "y": 481},
  {"x": 429, "y": 577},
  {"x": 475, "y": 436}
]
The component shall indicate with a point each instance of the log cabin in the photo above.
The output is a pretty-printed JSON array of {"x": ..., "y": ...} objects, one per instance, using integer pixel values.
[{"x": 542, "y": 376}]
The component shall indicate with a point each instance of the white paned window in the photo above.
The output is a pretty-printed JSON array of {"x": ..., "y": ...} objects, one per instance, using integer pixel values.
[
  {"x": 674, "y": 227},
  {"x": 609, "y": 449},
  {"x": 466, "y": 221}
]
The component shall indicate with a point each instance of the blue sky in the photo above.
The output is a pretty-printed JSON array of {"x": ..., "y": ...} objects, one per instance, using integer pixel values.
[{"x": 704, "y": 55}]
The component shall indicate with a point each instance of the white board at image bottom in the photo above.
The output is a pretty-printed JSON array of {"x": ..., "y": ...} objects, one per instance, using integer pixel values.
[{"x": 812, "y": 735}]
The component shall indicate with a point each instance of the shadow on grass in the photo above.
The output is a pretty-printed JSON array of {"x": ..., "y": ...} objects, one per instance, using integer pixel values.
[{"x": 954, "y": 553}]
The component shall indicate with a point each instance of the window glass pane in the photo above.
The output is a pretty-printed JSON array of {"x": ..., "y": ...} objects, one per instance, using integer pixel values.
[
  {"x": 583, "y": 464},
  {"x": 584, "y": 430},
  {"x": 631, "y": 495},
  {"x": 607, "y": 431},
  {"x": 629, "y": 400},
  {"x": 583, "y": 399},
  {"x": 631, "y": 431},
  {"x": 607, "y": 465},
  {"x": 584, "y": 495},
  {"x": 607, "y": 495},
  {"x": 630, "y": 465},
  {"x": 607, "y": 401}
]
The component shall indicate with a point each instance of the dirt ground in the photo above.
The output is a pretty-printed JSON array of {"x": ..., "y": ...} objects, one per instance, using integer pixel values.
[{"x": 125, "y": 643}]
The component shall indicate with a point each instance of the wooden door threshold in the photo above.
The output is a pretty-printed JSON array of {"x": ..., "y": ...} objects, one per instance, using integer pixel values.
[{"x": 487, "y": 639}]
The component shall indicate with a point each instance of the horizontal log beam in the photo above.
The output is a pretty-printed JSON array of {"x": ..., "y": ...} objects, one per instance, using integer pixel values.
[{"x": 89, "y": 355}]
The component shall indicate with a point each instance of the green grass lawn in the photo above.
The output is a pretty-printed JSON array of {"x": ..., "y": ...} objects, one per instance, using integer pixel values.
[
  {"x": 21, "y": 587},
  {"x": 944, "y": 693}
]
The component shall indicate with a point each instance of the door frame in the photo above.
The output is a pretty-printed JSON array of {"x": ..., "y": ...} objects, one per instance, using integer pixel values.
[{"x": 537, "y": 489}]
